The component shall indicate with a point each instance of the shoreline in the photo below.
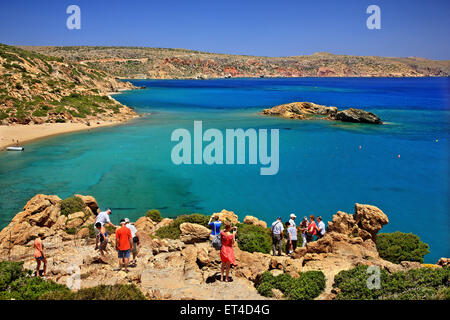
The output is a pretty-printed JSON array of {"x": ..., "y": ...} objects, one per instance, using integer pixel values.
[{"x": 33, "y": 132}]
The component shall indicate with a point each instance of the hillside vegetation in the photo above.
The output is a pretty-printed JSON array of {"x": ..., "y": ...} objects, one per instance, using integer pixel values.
[
  {"x": 37, "y": 88},
  {"x": 160, "y": 63}
]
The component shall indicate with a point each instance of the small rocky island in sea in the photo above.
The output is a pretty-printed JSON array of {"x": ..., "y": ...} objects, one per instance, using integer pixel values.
[{"x": 312, "y": 111}]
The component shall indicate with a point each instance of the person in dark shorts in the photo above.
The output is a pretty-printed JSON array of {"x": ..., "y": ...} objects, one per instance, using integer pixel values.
[{"x": 102, "y": 238}]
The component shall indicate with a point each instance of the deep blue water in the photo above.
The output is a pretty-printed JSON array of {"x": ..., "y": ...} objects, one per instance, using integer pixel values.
[{"x": 322, "y": 169}]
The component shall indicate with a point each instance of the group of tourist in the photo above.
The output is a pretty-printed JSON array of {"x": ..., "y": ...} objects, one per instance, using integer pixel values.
[
  {"x": 308, "y": 229},
  {"x": 127, "y": 242}
]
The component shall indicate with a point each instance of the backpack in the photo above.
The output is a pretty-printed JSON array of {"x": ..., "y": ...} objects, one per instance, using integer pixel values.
[{"x": 217, "y": 242}]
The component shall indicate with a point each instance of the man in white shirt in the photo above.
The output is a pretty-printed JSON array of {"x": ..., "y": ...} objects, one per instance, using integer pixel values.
[
  {"x": 103, "y": 218},
  {"x": 277, "y": 235},
  {"x": 292, "y": 220},
  {"x": 320, "y": 228},
  {"x": 134, "y": 237}
]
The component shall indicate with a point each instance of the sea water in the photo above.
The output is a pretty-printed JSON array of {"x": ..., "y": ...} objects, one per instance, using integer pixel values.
[{"x": 400, "y": 167}]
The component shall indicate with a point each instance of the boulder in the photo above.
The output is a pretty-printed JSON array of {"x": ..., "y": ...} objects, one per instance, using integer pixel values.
[
  {"x": 358, "y": 116},
  {"x": 192, "y": 232},
  {"x": 226, "y": 215},
  {"x": 145, "y": 224},
  {"x": 90, "y": 202},
  {"x": 370, "y": 218},
  {"x": 255, "y": 221},
  {"x": 444, "y": 262}
]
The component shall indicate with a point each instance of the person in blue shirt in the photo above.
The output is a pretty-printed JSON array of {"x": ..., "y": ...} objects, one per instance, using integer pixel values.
[{"x": 215, "y": 226}]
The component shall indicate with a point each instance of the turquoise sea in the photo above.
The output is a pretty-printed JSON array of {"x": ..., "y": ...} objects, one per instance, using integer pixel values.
[{"x": 322, "y": 167}]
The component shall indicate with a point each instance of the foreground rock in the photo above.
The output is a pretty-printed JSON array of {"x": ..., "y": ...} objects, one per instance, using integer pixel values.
[
  {"x": 189, "y": 267},
  {"x": 309, "y": 110}
]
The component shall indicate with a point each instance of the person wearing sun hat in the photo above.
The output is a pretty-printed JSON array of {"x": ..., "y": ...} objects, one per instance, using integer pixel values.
[{"x": 292, "y": 220}]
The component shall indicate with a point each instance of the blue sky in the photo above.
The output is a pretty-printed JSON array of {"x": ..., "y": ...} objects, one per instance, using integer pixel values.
[{"x": 253, "y": 27}]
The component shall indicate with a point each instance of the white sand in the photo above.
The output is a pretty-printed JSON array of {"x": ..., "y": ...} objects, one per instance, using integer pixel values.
[{"x": 27, "y": 133}]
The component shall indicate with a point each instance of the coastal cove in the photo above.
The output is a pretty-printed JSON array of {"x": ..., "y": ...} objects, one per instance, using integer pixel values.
[{"x": 324, "y": 166}]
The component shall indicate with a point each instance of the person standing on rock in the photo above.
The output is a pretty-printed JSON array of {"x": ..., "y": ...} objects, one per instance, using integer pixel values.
[
  {"x": 303, "y": 228},
  {"x": 292, "y": 220},
  {"x": 103, "y": 218},
  {"x": 277, "y": 235},
  {"x": 124, "y": 242},
  {"x": 312, "y": 229},
  {"x": 39, "y": 254},
  {"x": 226, "y": 251},
  {"x": 134, "y": 249},
  {"x": 320, "y": 228},
  {"x": 291, "y": 237},
  {"x": 101, "y": 237},
  {"x": 215, "y": 225}
]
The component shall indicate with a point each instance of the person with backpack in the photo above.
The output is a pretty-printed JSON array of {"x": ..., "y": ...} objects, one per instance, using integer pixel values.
[
  {"x": 102, "y": 238},
  {"x": 215, "y": 226},
  {"x": 277, "y": 235}
]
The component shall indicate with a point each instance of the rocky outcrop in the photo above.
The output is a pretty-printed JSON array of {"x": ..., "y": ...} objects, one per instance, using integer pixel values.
[
  {"x": 226, "y": 215},
  {"x": 189, "y": 267},
  {"x": 357, "y": 116},
  {"x": 255, "y": 221},
  {"x": 192, "y": 232},
  {"x": 300, "y": 110},
  {"x": 444, "y": 262},
  {"x": 312, "y": 111}
]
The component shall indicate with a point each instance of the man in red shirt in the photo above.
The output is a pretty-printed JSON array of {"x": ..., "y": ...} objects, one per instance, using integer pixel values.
[
  {"x": 312, "y": 229},
  {"x": 123, "y": 245}
]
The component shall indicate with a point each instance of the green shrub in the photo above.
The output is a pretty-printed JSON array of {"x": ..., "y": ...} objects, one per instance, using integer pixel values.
[
  {"x": 15, "y": 283},
  {"x": 172, "y": 231},
  {"x": 415, "y": 284},
  {"x": 253, "y": 238},
  {"x": 101, "y": 292},
  {"x": 398, "y": 246},
  {"x": 71, "y": 205},
  {"x": 154, "y": 214},
  {"x": 308, "y": 286}
]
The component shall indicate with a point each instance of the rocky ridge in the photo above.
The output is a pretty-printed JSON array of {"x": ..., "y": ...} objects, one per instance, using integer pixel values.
[
  {"x": 312, "y": 111},
  {"x": 189, "y": 267},
  {"x": 162, "y": 63},
  {"x": 36, "y": 89}
]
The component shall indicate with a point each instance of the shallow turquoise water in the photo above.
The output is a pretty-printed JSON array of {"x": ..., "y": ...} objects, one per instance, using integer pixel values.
[{"x": 322, "y": 170}]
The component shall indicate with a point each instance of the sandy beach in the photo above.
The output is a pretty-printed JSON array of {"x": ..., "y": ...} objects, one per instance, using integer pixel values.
[{"x": 28, "y": 133}]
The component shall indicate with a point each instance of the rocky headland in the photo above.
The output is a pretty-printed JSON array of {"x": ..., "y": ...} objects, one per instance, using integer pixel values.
[
  {"x": 312, "y": 111},
  {"x": 188, "y": 267}
]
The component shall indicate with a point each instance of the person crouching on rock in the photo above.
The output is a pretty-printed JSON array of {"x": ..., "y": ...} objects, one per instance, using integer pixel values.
[
  {"x": 39, "y": 254},
  {"x": 101, "y": 237},
  {"x": 124, "y": 242},
  {"x": 227, "y": 252}
]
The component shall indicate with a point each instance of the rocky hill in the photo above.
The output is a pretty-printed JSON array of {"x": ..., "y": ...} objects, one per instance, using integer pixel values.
[
  {"x": 160, "y": 63},
  {"x": 37, "y": 88},
  {"x": 187, "y": 267}
]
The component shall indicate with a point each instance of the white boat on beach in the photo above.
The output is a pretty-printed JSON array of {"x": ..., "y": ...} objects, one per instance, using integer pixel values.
[{"x": 15, "y": 148}]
